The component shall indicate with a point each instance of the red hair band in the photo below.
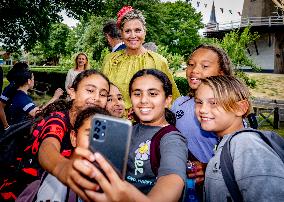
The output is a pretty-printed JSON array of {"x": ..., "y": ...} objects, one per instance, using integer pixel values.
[{"x": 121, "y": 13}]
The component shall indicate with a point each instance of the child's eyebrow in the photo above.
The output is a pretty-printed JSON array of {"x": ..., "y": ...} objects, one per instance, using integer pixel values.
[
  {"x": 91, "y": 85},
  {"x": 153, "y": 89}
]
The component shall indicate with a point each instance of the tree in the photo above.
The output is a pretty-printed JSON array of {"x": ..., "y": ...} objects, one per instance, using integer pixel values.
[
  {"x": 236, "y": 43},
  {"x": 55, "y": 45},
  {"x": 179, "y": 27},
  {"x": 25, "y": 22}
]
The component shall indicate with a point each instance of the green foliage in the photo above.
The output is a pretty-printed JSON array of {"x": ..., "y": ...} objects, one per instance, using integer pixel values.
[
  {"x": 182, "y": 85},
  {"x": 24, "y": 23},
  {"x": 175, "y": 60},
  {"x": 246, "y": 79},
  {"x": 169, "y": 24},
  {"x": 92, "y": 39},
  {"x": 235, "y": 44},
  {"x": 55, "y": 45},
  {"x": 5, "y": 69},
  {"x": 179, "y": 27}
]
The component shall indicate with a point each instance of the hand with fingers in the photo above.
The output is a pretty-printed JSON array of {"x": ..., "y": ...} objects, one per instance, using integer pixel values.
[
  {"x": 198, "y": 173},
  {"x": 58, "y": 92},
  {"x": 75, "y": 179},
  {"x": 114, "y": 188}
]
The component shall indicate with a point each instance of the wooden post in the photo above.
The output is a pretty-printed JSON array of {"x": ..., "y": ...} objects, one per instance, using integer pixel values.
[
  {"x": 279, "y": 53},
  {"x": 276, "y": 122}
]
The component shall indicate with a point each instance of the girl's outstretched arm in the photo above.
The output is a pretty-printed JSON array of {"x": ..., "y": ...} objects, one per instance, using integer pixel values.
[
  {"x": 167, "y": 188},
  {"x": 62, "y": 168}
]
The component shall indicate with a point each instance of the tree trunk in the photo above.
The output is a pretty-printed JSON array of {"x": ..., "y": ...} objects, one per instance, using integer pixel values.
[{"x": 279, "y": 53}]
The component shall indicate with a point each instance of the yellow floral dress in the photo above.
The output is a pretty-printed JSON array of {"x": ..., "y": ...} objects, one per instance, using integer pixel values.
[{"x": 120, "y": 67}]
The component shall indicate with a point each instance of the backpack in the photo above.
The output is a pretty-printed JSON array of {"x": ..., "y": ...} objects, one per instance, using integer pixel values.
[
  {"x": 13, "y": 141},
  {"x": 155, "y": 154},
  {"x": 271, "y": 138},
  {"x": 30, "y": 192}
]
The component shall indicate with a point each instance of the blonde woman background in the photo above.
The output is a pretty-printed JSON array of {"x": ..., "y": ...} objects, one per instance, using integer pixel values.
[{"x": 82, "y": 63}]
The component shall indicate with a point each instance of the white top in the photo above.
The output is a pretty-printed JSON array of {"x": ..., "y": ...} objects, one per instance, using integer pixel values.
[{"x": 71, "y": 75}]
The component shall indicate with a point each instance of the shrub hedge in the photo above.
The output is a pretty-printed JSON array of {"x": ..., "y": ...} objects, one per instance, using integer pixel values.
[{"x": 182, "y": 85}]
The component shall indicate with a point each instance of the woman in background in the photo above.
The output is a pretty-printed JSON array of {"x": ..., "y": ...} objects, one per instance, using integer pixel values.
[
  {"x": 82, "y": 64},
  {"x": 120, "y": 66}
]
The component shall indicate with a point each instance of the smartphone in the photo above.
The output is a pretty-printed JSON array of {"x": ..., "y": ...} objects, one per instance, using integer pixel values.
[{"x": 111, "y": 137}]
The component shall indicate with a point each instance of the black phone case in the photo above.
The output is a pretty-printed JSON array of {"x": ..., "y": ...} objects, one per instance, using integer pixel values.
[{"x": 111, "y": 136}]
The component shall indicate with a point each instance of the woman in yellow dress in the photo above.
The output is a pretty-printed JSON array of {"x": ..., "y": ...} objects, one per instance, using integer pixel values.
[{"x": 120, "y": 66}]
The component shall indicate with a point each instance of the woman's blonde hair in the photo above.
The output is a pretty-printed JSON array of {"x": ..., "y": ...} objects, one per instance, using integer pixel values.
[
  {"x": 228, "y": 91},
  {"x": 86, "y": 66}
]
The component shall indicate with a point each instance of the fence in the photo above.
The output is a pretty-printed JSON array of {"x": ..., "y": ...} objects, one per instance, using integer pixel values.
[
  {"x": 244, "y": 22},
  {"x": 266, "y": 108}
]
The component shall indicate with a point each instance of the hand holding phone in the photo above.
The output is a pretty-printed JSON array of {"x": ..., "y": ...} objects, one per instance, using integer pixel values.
[{"x": 111, "y": 137}]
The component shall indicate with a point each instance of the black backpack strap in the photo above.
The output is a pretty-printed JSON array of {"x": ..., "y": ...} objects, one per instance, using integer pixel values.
[
  {"x": 226, "y": 161},
  {"x": 227, "y": 169},
  {"x": 155, "y": 155}
]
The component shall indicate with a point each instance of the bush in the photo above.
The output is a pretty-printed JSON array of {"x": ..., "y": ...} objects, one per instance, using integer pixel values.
[
  {"x": 55, "y": 79},
  {"x": 6, "y": 68},
  {"x": 182, "y": 85},
  {"x": 244, "y": 77},
  {"x": 175, "y": 60}
]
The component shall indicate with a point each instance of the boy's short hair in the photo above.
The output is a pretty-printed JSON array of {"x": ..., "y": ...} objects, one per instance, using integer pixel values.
[
  {"x": 111, "y": 29},
  {"x": 228, "y": 91}
]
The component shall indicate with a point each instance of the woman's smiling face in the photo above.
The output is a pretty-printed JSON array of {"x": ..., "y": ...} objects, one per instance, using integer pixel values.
[{"x": 133, "y": 34}]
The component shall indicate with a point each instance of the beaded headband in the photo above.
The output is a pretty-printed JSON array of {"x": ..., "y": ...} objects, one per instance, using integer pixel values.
[{"x": 121, "y": 13}]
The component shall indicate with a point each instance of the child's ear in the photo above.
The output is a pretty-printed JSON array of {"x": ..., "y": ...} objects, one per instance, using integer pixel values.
[
  {"x": 243, "y": 107},
  {"x": 73, "y": 138},
  {"x": 72, "y": 94},
  {"x": 168, "y": 101}
]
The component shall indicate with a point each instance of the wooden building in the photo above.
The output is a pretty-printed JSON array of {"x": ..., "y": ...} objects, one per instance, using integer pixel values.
[{"x": 265, "y": 18}]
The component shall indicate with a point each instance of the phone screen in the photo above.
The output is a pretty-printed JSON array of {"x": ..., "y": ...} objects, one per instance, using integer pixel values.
[{"x": 111, "y": 137}]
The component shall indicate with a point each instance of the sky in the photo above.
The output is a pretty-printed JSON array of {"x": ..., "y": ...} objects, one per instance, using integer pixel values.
[{"x": 230, "y": 10}]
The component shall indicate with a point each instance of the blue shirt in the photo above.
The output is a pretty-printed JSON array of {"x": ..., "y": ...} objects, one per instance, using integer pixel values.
[
  {"x": 200, "y": 142},
  {"x": 21, "y": 105},
  {"x": 8, "y": 93}
]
